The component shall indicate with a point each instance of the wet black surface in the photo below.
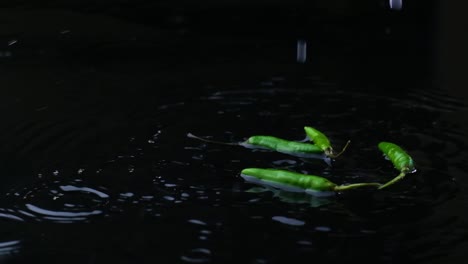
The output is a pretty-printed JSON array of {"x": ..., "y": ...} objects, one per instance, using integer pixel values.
[{"x": 97, "y": 100}]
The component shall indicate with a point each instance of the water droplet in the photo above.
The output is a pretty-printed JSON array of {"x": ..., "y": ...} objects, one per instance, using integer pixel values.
[
  {"x": 304, "y": 243},
  {"x": 156, "y": 135},
  {"x": 196, "y": 222},
  {"x": 128, "y": 194},
  {"x": 147, "y": 197},
  {"x": 366, "y": 231},
  {"x": 288, "y": 221},
  {"x": 301, "y": 51},
  {"x": 197, "y": 255},
  {"x": 267, "y": 83},
  {"x": 169, "y": 198},
  {"x": 205, "y": 232},
  {"x": 396, "y": 4},
  {"x": 323, "y": 228},
  {"x": 198, "y": 157},
  {"x": 260, "y": 261}
]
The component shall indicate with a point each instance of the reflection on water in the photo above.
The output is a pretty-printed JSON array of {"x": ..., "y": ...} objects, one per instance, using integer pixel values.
[{"x": 292, "y": 197}]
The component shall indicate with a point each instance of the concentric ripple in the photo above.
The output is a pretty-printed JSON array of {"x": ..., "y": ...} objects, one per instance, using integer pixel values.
[{"x": 61, "y": 203}]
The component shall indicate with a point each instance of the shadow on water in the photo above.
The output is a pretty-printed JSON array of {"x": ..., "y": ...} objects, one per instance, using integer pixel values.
[{"x": 97, "y": 165}]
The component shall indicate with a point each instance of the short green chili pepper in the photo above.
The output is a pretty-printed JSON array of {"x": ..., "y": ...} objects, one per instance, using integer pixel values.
[
  {"x": 322, "y": 141},
  {"x": 297, "y": 182},
  {"x": 400, "y": 160}
]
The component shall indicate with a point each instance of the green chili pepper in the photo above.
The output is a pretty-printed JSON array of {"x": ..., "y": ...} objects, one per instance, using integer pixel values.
[
  {"x": 294, "y": 148},
  {"x": 322, "y": 141},
  {"x": 297, "y": 182},
  {"x": 282, "y": 145},
  {"x": 400, "y": 160}
]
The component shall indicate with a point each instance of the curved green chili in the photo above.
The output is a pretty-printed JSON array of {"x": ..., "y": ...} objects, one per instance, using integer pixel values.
[
  {"x": 322, "y": 141},
  {"x": 297, "y": 182},
  {"x": 400, "y": 160}
]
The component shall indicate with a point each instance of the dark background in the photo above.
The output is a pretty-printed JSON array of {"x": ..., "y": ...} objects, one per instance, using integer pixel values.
[
  {"x": 79, "y": 79},
  {"x": 170, "y": 30}
]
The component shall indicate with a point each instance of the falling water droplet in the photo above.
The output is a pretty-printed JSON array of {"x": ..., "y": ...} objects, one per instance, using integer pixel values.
[
  {"x": 12, "y": 42},
  {"x": 396, "y": 4},
  {"x": 301, "y": 51}
]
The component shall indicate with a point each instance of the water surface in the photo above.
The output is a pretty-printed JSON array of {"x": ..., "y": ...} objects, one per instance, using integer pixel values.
[{"x": 97, "y": 165}]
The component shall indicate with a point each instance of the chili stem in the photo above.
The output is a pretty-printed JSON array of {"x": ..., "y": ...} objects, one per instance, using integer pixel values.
[
  {"x": 341, "y": 152},
  {"x": 355, "y": 185},
  {"x": 397, "y": 178},
  {"x": 190, "y": 135}
]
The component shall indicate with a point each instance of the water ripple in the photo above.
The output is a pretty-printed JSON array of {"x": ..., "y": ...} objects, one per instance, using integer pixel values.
[
  {"x": 197, "y": 255},
  {"x": 61, "y": 215},
  {"x": 61, "y": 203},
  {"x": 10, "y": 215},
  {"x": 8, "y": 247}
]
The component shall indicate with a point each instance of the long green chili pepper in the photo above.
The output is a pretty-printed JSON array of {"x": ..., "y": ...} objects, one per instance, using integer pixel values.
[
  {"x": 322, "y": 142},
  {"x": 400, "y": 160},
  {"x": 294, "y": 148},
  {"x": 297, "y": 182}
]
